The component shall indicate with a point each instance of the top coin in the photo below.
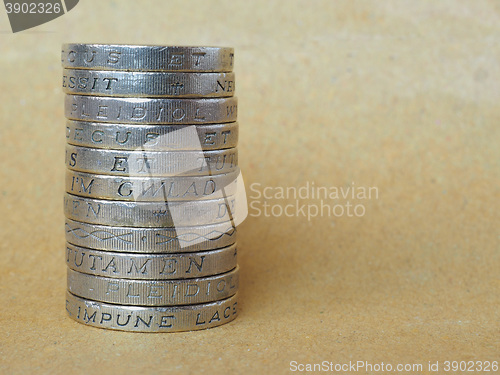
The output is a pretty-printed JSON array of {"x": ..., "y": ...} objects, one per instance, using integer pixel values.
[{"x": 147, "y": 58}]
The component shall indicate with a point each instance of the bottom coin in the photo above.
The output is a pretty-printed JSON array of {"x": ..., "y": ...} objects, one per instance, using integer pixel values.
[{"x": 151, "y": 319}]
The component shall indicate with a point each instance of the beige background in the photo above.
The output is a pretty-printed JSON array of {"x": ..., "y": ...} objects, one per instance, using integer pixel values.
[{"x": 400, "y": 95}]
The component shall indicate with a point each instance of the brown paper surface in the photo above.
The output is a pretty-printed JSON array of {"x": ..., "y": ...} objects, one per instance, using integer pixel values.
[{"x": 400, "y": 96}]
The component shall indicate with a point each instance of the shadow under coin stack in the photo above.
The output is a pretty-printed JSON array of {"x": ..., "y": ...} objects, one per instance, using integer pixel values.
[{"x": 150, "y": 186}]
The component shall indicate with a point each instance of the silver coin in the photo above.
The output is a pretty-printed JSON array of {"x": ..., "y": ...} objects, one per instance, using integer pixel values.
[
  {"x": 150, "y": 214},
  {"x": 150, "y": 266},
  {"x": 147, "y": 58},
  {"x": 150, "y": 240},
  {"x": 151, "y": 319},
  {"x": 151, "y": 110},
  {"x": 151, "y": 163},
  {"x": 151, "y": 189},
  {"x": 153, "y": 292},
  {"x": 147, "y": 84},
  {"x": 152, "y": 137}
]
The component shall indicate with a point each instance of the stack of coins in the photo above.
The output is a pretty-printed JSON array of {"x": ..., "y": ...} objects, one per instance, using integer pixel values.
[{"x": 150, "y": 186}]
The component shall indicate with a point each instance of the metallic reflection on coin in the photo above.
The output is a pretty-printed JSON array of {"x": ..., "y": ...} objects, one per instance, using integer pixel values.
[
  {"x": 153, "y": 292},
  {"x": 147, "y": 58},
  {"x": 150, "y": 214},
  {"x": 151, "y": 319},
  {"x": 151, "y": 189},
  {"x": 150, "y": 240},
  {"x": 151, "y": 163},
  {"x": 147, "y": 84},
  {"x": 152, "y": 137},
  {"x": 151, "y": 266},
  {"x": 151, "y": 110}
]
